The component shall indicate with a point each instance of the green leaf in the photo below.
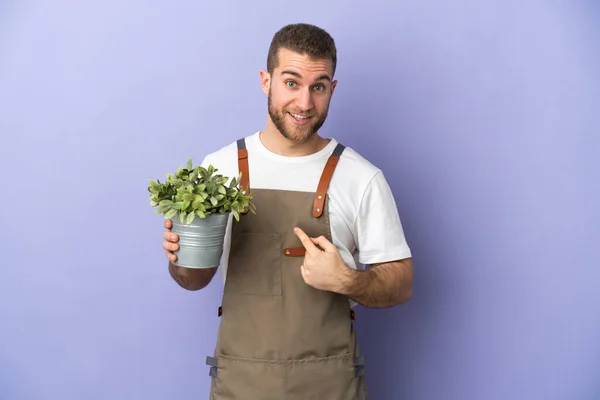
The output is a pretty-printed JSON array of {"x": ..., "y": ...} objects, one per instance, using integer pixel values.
[
  {"x": 197, "y": 202},
  {"x": 190, "y": 218},
  {"x": 171, "y": 213},
  {"x": 163, "y": 209},
  {"x": 199, "y": 192}
]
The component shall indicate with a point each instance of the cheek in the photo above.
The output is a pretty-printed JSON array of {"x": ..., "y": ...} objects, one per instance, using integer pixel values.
[
  {"x": 280, "y": 98},
  {"x": 322, "y": 102}
]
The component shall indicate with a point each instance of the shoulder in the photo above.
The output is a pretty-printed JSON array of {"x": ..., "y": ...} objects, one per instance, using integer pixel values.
[
  {"x": 224, "y": 159},
  {"x": 353, "y": 167},
  {"x": 229, "y": 151},
  {"x": 353, "y": 158}
]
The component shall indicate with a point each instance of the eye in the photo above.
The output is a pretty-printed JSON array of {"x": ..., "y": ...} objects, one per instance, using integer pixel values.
[
  {"x": 319, "y": 87},
  {"x": 291, "y": 84}
]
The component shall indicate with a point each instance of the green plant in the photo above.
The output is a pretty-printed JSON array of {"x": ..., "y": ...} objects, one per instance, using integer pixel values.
[{"x": 198, "y": 192}]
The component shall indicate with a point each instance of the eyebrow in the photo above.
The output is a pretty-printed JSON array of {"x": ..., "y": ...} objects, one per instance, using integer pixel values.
[{"x": 297, "y": 75}]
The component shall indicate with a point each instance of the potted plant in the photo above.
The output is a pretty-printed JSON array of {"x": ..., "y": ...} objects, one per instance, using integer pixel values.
[{"x": 199, "y": 202}]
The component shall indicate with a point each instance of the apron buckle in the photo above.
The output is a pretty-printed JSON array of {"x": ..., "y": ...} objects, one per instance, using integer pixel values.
[{"x": 212, "y": 362}]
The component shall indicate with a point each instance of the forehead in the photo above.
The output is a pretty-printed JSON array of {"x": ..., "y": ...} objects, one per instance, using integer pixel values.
[{"x": 303, "y": 64}]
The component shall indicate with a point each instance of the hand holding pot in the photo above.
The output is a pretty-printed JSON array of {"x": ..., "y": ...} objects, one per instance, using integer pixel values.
[{"x": 170, "y": 244}]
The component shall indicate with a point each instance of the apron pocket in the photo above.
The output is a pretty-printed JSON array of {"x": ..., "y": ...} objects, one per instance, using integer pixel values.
[
  {"x": 240, "y": 378},
  {"x": 255, "y": 263},
  {"x": 330, "y": 378}
]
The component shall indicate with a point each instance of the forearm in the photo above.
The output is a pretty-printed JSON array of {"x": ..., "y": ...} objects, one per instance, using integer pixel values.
[
  {"x": 191, "y": 278},
  {"x": 382, "y": 285}
]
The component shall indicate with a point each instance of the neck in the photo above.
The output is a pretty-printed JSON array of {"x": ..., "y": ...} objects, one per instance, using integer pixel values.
[{"x": 275, "y": 142}]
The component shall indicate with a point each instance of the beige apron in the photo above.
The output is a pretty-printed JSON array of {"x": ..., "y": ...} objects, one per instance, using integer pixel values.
[{"x": 279, "y": 338}]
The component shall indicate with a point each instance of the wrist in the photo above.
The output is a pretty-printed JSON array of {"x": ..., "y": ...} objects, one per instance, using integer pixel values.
[{"x": 348, "y": 281}]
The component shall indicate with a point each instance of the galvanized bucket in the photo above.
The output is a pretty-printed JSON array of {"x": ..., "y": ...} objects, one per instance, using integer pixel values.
[{"x": 201, "y": 242}]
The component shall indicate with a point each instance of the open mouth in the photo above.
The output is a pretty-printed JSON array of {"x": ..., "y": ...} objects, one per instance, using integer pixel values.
[{"x": 299, "y": 119}]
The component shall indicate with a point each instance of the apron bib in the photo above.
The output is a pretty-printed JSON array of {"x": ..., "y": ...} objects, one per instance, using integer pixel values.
[{"x": 279, "y": 338}]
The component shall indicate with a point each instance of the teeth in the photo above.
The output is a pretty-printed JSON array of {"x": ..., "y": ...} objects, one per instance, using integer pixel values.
[{"x": 298, "y": 116}]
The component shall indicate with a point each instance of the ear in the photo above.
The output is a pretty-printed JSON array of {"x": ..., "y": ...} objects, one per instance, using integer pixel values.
[
  {"x": 333, "y": 85},
  {"x": 265, "y": 81}
]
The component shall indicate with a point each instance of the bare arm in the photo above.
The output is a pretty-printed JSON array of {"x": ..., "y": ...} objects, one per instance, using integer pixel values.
[{"x": 382, "y": 285}]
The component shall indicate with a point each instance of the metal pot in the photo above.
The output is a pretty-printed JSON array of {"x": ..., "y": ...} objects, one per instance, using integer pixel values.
[{"x": 201, "y": 242}]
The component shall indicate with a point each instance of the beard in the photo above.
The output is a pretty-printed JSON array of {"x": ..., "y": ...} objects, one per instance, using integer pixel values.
[{"x": 296, "y": 133}]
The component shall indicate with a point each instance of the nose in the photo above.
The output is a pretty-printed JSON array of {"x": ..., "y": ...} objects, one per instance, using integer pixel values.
[{"x": 305, "y": 101}]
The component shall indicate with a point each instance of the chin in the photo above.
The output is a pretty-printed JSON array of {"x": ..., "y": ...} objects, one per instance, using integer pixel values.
[{"x": 298, "y": 135}]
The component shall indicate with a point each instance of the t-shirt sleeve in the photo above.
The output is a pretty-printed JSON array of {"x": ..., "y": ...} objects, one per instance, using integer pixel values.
[{"x": 380, "y": 235}]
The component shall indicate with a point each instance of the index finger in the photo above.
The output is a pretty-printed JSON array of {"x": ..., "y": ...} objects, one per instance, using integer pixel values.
[{"x": 306, "y": 242}]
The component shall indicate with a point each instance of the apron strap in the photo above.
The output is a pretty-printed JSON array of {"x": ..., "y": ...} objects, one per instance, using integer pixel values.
[
  {"x": 326, "y": 175},
  {"x": 243, "y": 167},
  {"x": 325, "y": 179},
  {"x": 320, "y": 195}
]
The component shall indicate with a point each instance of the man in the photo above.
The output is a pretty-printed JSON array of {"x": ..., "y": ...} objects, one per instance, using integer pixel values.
[{"x": 291, "y": 271}]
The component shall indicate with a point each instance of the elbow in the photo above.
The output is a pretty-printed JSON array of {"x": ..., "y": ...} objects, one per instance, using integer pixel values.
[
  {"x": 405, "y": 295},
  {"x": 406, "y": 287}
]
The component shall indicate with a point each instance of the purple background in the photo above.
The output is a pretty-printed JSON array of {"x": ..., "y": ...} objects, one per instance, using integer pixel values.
[{"x": 484, "y": 119}]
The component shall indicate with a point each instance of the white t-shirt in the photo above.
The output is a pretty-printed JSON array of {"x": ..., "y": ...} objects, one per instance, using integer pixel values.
[{"x": 365, "y": 225}]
